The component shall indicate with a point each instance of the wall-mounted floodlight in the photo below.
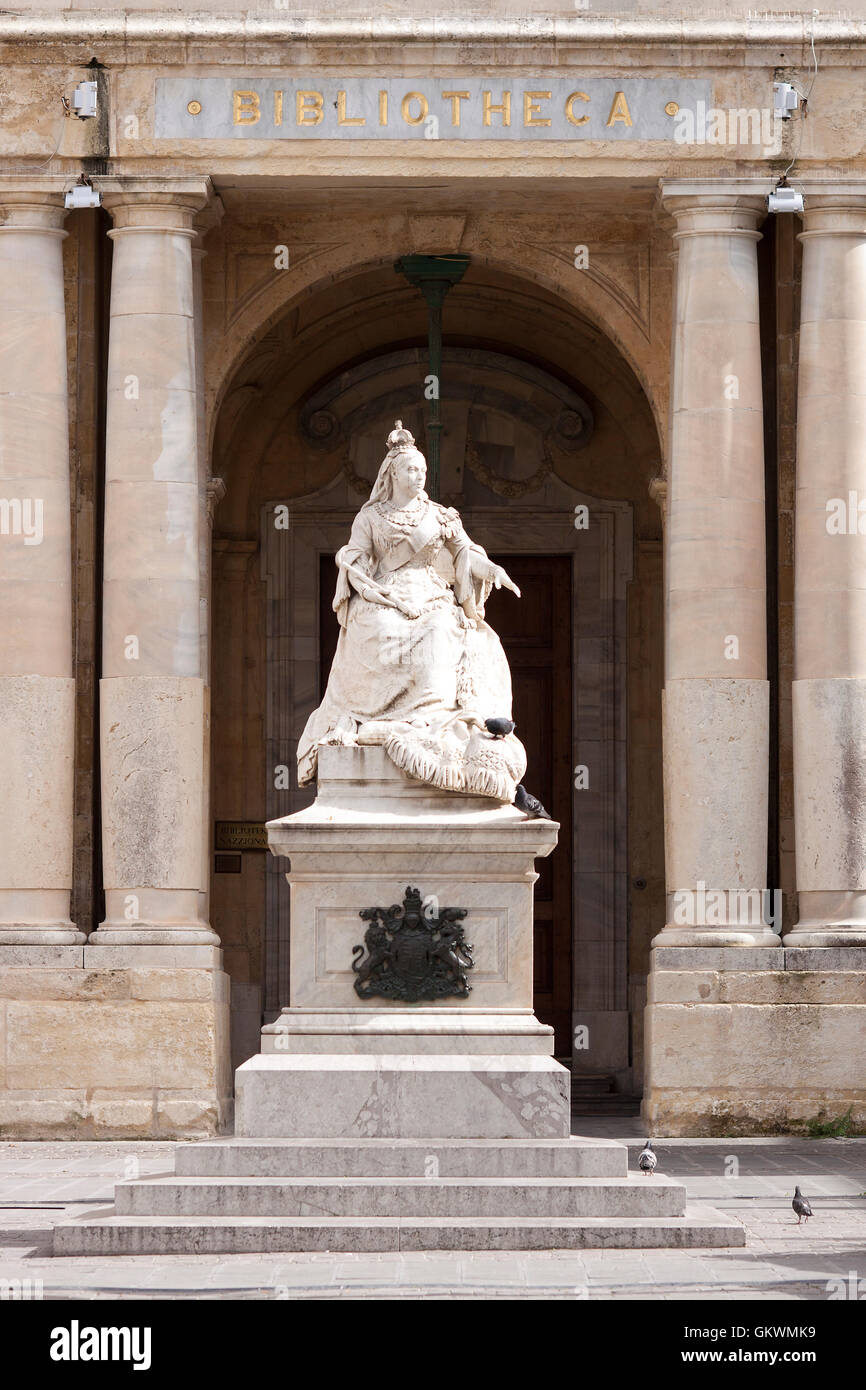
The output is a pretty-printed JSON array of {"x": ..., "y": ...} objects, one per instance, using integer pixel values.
[
  {"x": 83, "y": 196},
  {"x": 785, "y": 100},
  {"x": 84, "y": 100},
  {"x": 785, "y": 199}
]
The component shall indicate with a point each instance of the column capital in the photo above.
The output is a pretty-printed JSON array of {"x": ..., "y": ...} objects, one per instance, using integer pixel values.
[
  {"x": 711, "y": 206},
  {"x": 31, "y": 210},
  {"x": 158, "y": 204},
  {"x": 838, "y": 213}
]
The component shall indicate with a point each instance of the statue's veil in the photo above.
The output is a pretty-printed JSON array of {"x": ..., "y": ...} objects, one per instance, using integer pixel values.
[{"x": 400, "y": 441}]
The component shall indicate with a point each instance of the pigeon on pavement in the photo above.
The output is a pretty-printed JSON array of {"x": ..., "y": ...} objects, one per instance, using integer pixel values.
[
  {"x": 529, "y": 805},
  {"x": 499, "y": 727},
  {"x": 646, "y": 1159},
  {"x": 801, "y": 1206}
]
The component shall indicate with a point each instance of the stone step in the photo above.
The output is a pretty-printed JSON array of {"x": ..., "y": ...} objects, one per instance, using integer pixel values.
[
  {"x": 604, "y": 1106},
  {"x": 592, "y": 1084},
  {"x": 142, "y": 1235},
  {"x": 448, "y": 1198},
  {"x": 403, "y": 1158}
]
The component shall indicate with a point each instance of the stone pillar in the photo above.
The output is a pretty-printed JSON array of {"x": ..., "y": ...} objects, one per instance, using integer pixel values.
[
  {"x": 205, "y": 509},
  {"x": 829, "y": 687},
  {"x": 716, "y": 692},
  {"x": 37, "y": 688},
  {"x": 153, "y": 691}
]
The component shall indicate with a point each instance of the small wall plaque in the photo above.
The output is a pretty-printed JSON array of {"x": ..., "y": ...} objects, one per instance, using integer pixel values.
[{"x": 240, "y": 834}]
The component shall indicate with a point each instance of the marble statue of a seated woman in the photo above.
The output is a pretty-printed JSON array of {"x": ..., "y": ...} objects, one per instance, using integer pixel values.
[{"x": 417, "y": 669}]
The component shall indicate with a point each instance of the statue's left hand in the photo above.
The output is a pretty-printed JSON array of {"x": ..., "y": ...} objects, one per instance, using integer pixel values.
[{"x": 502, "y": 581}]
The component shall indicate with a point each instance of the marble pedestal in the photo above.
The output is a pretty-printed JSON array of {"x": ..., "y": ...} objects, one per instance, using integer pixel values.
[{"x": 335, "y": 1065}]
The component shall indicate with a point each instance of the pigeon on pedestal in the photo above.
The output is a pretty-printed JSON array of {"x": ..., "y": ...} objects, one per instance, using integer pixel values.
[
  {"x": 529, "y": 805},
  {"x": 801, "y": 1206},
  {"x": 646, "y": 1159}
]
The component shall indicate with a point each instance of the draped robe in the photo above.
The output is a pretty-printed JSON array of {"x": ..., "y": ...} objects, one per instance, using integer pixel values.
[{"x": 422, "y": 687}]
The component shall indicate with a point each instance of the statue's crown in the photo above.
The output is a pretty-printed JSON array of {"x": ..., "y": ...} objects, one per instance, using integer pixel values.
[{"x": 400, "y": 438}]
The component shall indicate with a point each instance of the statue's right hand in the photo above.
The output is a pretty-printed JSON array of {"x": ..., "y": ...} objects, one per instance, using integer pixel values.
[
  {"x": 409, "y": 611},
  {"x": 503, "y": 580}
]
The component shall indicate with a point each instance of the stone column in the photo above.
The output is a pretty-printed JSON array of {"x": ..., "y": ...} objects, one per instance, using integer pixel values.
[
  {"x": 153, "y": 687},
  {"x": 716, "y": 692},
  {"x": 37, "y": 688},
  {"x": 205, "y": 517},
  {"x": 829, "y": 687}
]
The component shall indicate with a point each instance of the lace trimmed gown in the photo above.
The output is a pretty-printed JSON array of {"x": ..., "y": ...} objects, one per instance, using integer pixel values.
[{"x": 420, "y": 686}]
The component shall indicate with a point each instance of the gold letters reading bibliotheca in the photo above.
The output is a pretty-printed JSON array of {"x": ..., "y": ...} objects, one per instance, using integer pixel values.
[{"x": 414, "y": 108}]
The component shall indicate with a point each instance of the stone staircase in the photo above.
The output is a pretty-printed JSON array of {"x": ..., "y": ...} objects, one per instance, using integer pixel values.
[
  {"x": 371, "y": 1195},
  {"x": 597, "y": 1095}
]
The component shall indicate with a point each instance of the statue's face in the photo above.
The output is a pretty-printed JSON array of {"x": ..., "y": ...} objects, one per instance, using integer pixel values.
[{"x": 410, "y": 473}]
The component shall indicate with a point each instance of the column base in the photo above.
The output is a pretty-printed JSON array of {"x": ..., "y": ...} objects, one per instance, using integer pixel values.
[
  {"x": 830, "y": 919},
  {"x": 706, "y": 916},
  {"x": 831, "y": 936},
  {"x": 153, "y": 934},
  {"x": 37, "y": 917},
  {"x": 35, "y": 934},
  {"x": 716, "y": 936},
  {"x": 153, "y": 917}
]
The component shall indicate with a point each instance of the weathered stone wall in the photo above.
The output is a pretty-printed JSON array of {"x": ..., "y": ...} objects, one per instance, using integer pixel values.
[
  {"x": 736, "y": 1049},
  {"x": 90, "y": 1053}
]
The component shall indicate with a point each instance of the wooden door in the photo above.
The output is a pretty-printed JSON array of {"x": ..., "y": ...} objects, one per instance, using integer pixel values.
[{"x": 535, "y": 631}]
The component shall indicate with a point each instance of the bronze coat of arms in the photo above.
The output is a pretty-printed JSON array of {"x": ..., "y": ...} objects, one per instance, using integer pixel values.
[{"x": 412, "y": 952}]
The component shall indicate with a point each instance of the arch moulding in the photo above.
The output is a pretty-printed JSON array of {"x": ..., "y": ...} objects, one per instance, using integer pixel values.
[{"x": 599, "y": 298}]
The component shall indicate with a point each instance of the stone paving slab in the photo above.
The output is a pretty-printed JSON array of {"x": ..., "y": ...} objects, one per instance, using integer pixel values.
[{"x": 43, "y": 1183}]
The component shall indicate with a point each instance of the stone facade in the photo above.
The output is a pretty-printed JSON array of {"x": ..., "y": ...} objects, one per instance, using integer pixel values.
[{"x": 226, "y": 335}]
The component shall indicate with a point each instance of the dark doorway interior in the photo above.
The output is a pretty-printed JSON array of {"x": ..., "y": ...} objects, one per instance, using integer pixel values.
[
  {"x": 329, "y": 628},
  {"x": 536, "y": 634}
]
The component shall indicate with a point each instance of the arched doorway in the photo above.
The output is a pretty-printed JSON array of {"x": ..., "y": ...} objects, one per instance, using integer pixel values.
[{"x": 548, "y": 448}]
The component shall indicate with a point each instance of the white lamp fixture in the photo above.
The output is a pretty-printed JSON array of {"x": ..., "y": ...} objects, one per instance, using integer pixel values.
[
  {"x": 84, "y": 100},
  {"x": 785, "y": 100},
  {"x": 785, "y": 199},
  {"x": 83, "y": 196}
]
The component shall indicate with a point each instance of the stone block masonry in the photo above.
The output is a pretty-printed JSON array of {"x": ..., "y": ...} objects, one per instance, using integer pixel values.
[
  {"x": 738, "y": 1049},
  {"x": 111, "y": 1052}
]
